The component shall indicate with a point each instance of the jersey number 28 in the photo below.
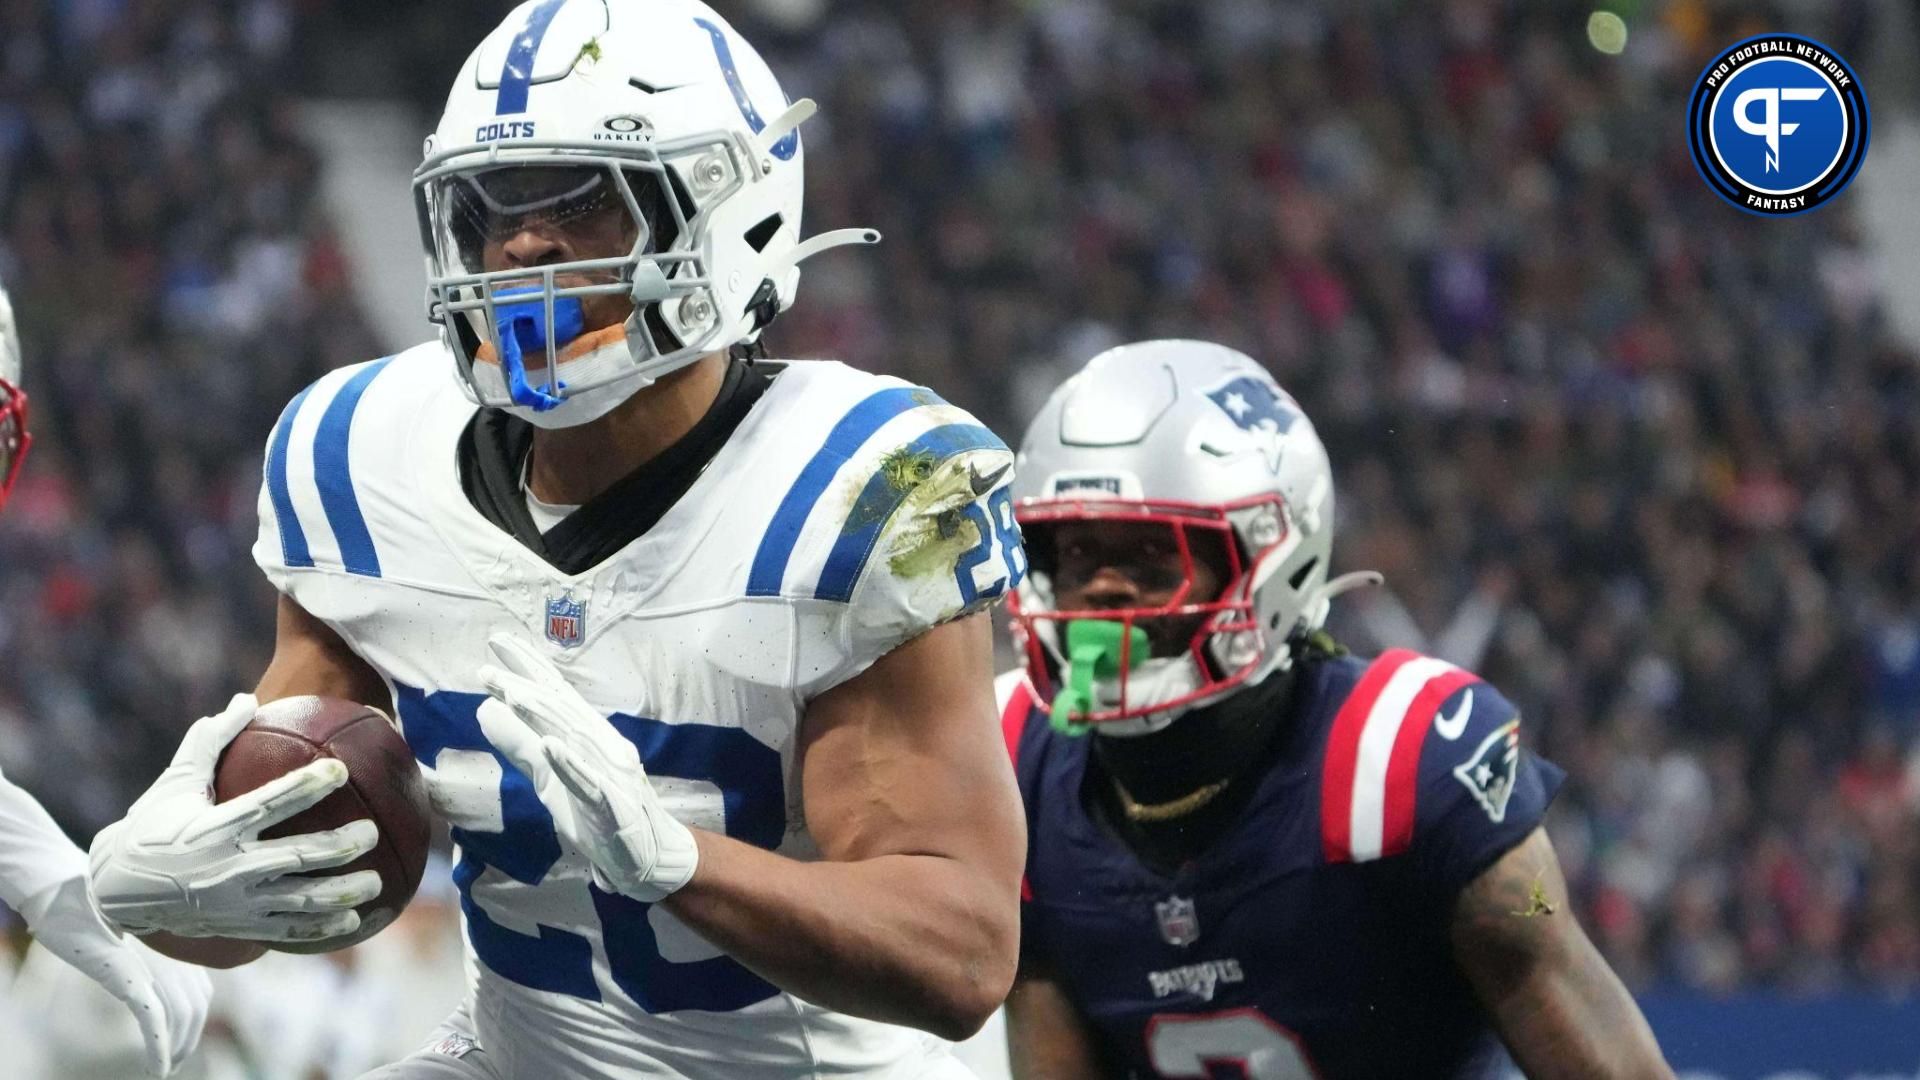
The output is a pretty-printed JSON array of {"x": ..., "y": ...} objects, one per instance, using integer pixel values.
[
  {"x": 519, "y": 842},
  {"x": 996, "y": 527}
]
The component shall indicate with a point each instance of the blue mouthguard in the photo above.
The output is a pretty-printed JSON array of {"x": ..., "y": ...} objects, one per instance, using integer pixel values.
[{"x": 523, "y": 327}]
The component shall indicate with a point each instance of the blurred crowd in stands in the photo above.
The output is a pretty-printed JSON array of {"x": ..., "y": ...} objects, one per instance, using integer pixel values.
[{"x": 1647, "y": 463}]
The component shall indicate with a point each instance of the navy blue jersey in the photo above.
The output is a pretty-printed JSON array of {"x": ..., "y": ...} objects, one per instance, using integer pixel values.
[{"x": 1311, "y": 940}]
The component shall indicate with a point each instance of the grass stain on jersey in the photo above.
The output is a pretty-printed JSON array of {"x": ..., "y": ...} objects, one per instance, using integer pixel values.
[
  {"x": 903, "y": 471},
  {"x": 932, "y": 530},
  {"x": 589, "y": 51},
  {"x": 906, "y": 468}
]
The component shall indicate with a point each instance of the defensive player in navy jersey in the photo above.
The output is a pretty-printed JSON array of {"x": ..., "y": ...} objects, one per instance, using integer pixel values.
[{"x": 1252, "y": 854}]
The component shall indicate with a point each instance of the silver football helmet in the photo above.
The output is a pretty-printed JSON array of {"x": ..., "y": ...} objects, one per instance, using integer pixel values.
[
  {"x": 14, "y": 439},
  {"x": 1199, "y": 438}
]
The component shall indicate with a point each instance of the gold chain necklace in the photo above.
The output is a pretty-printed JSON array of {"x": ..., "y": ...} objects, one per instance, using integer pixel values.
[{"x": 1167, "y": 811}]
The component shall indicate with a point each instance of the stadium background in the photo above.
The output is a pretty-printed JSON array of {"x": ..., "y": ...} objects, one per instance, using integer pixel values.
[{"x": 1648, "y": 463}]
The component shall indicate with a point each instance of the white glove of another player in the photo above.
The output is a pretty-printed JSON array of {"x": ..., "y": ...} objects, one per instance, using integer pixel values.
[
  {"x": 168, "y": 998},
  {"x": 587, "y": 776},
  {"x": 179, "y": 863}
]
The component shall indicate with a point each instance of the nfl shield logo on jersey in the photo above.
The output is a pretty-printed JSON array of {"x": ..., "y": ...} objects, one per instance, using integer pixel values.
[
  {"x": 1179, "y": 922},
  {"x": 566, "y": 622}
]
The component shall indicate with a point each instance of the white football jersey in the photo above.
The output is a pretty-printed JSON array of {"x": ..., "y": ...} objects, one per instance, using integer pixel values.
[{"x": 847, "y": 514}]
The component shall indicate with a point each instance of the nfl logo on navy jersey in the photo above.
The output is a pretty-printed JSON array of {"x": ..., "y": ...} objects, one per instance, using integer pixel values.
[
  {"x": 566, "y": 622},
  {"x": 1179, "y": 922}
]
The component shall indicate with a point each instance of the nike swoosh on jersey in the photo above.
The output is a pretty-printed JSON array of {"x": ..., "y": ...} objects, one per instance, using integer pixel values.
[
  {"x": 983, "y": 484},
  {"x": 1452, "y": 727}
]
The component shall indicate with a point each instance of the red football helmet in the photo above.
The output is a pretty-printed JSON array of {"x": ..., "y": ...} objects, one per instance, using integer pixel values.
[{"x": 14, "y": 439}]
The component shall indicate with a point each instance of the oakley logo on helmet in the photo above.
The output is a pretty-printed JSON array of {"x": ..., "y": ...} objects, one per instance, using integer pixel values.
[{"x": 624, "y": 129}]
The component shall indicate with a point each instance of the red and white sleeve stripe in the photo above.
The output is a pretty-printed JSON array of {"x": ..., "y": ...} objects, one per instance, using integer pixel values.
[
  {"x": 1016, "y": 705},
  {"x": 1015, "y": 709},
  {"x": 1372, "y": 774}
]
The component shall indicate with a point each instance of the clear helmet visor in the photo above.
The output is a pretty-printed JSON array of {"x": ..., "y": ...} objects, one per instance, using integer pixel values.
[{"x": 555, "y": 275}]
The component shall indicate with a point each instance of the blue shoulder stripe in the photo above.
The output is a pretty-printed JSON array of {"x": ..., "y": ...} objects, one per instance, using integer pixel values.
[
  {"x": 293, "y": 539},
  {"x": 845, "y": 440},
  {"x": 882, "y": 497},
  {"x": 333, "y": 475}
]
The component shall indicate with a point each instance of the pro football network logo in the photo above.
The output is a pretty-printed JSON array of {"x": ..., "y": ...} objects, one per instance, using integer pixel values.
[
  {"x": 566, "y": 621},
  {"x": 1778, "y": 124}
]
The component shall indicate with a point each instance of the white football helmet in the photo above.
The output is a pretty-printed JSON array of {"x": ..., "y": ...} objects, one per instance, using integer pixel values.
[
  {"x": 1199, "y": 438},
  {"x": 14, "y": 439},
  {"x": 657, "y": 114}
]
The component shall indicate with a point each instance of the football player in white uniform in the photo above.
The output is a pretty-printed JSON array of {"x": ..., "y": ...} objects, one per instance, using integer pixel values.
[
  {"x": 43, "y": 876},
  {"x": 691, "y": 646}
]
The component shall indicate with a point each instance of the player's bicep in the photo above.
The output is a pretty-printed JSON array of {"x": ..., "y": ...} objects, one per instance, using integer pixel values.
[
  {"x": 907, "y": 758},
  {"x": 309, "y": 658},
  {"x": 1046, "y": 1037},
  {"x": 1560, "y": 1009}
]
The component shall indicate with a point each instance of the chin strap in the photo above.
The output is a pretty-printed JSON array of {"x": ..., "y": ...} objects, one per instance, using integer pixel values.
[
  {"x": 783, "y": 125},
  {"x": 1321, "y": 602},
  {"x": 765, "y": 303},
  {"x": 814, "y": 245}
]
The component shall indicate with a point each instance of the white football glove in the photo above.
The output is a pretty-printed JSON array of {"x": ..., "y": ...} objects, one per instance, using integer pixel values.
[
  {"x": 168, "y": 998},
  {"x": 587, "y": 776},
  {"x": 179, "y": 863}
]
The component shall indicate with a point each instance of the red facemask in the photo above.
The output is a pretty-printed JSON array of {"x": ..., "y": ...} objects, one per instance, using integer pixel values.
[
  {"x": 14, "y": 439},
  {"x": 1228, "y": 613}
]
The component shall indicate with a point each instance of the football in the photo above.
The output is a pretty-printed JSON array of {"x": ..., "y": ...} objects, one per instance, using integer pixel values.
[{"x": 383, "y": 784}]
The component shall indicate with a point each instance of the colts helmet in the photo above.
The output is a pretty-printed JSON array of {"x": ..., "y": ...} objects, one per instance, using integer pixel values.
[
  {"x": 1199, "y": 438},
  {"x": 14, "y": 439},
  {"x": 569, "y": 108}
]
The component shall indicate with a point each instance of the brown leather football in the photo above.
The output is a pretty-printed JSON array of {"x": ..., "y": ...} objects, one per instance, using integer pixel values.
[{"x": 383, "y": 783}]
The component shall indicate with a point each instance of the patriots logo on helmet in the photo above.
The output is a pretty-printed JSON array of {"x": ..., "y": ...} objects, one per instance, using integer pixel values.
[{"x": 1262, "y": 413}]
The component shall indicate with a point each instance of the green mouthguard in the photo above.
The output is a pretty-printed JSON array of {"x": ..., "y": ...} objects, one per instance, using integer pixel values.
[{"x": 1094, "y": 651}]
